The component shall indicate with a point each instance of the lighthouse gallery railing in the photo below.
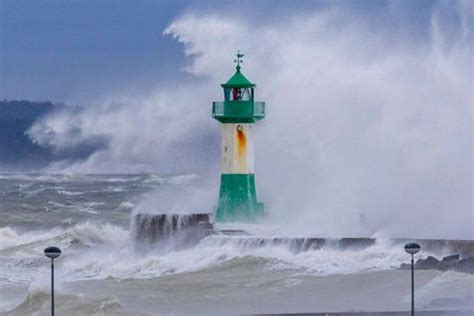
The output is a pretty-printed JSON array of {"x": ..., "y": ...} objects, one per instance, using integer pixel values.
[{"x": 238, "y": 109}]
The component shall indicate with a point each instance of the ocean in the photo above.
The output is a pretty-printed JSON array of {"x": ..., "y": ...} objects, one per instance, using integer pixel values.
[{"x": 100, "y": 271}]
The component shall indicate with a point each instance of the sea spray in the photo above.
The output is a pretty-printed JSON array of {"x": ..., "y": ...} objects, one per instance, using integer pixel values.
[{"x": 349, "y": 147}]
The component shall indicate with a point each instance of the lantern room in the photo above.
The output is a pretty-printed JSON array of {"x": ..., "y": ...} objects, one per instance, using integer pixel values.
[{"x": 238, "y": 105}]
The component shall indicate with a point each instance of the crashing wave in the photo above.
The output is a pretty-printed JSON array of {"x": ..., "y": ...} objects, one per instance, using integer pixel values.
[{"x": 37, "y": 302}]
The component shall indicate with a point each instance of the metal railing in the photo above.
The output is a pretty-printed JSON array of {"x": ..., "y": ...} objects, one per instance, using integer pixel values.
[
  {"x": 218, "y": 108},
  {"x": 259, "y": 109}
]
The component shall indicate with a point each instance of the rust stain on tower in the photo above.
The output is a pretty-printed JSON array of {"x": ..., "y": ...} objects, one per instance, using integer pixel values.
[
  {"x": 241, "y": 142},
  {"x": 241, "y": 149}
]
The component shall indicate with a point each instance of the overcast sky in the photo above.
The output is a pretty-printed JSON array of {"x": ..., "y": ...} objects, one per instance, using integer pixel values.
[
  {"x": 79, "y": 51},
  {"x": 74, "y": 51}
]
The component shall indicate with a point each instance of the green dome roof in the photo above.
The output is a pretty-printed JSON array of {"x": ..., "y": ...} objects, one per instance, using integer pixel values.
[{"x": 238, "y": 80}]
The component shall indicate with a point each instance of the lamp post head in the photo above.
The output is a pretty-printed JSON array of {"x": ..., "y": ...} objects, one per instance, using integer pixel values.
[
  {"x": 52, "y": 252},
  {"x": 412, "y": 248}
]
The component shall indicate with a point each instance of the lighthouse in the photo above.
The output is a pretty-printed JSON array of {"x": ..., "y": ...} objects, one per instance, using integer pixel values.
[{"x": 237, "y": 114}]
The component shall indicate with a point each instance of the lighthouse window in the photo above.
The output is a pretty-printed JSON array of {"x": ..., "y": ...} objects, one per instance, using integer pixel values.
[
  {"x": 238, "y": 94},
  {"x": 226, "y": 94},
  {"x": 247, "y": 94},
  {"x": 241, "y": 94},
  {"x": 235, "y": 94}
]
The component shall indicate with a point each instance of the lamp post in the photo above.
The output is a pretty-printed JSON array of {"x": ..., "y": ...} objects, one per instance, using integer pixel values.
[
  {"x": 412, "y": 248},
  {"x": 52, "y": 253}
]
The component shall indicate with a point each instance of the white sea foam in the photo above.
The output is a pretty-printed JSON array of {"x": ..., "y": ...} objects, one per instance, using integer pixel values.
[
  {"x": 84, "y": 235},
  {"x": 22, "y": 254},
  {"x": 153, "y": 178},
  {"x": 126, "y": 206},
  {"x": 214, "y": 251},
  {"x": 69, "y": 193},
  {"x": 113, "y": 256},
  {"x": 322, "y": 261},
  {"x": 89, "y": 207},
  {"x": 101, "y": 251},
  {"x": 122, "y": 180},
  {"x": 114, "y": 189},
  {"x": 182, "y": 179},
  {"x": 8, "y": 237},
  {"x": 49, "y": 177}
]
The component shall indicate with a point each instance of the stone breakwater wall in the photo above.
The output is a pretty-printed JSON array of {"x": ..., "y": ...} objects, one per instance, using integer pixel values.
[
  {"x": 462, "y": 248},
  {"x": 177, "y": 230},
  {"x": 172, "y": 231}
]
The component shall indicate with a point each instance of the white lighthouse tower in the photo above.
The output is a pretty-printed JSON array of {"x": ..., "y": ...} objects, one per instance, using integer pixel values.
[{"x": 237, "y": 114}]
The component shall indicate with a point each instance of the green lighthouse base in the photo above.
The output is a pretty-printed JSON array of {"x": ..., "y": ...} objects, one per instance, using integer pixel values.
[{"x": 238, "y": 199}]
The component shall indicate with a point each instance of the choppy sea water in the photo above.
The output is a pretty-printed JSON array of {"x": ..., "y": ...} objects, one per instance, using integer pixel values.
[{"x": 100, "y": 272}]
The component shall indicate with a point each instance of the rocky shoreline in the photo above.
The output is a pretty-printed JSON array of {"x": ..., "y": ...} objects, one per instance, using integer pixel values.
[{"x": 449, "y": 263}]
